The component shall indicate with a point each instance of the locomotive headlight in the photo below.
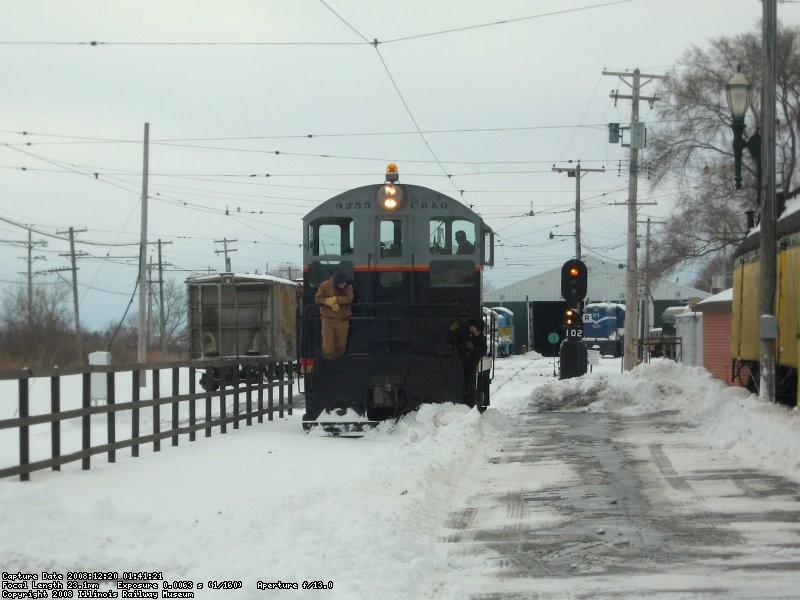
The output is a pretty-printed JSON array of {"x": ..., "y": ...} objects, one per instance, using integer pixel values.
[{"x": 390, "y": 196}]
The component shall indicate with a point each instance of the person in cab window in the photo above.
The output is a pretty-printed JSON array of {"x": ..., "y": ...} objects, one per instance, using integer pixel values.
[
  {"x": 464, "y": 246},
  {"x": 334, "y": 297}
]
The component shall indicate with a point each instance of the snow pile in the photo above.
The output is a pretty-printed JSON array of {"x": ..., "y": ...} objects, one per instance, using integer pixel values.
[{"x": 728, "y": 417}]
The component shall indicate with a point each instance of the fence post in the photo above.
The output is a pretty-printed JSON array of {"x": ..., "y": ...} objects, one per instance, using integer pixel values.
[
  {"x": 260, "y": 375},
  {"x": 111, "y": 399},
  {"x": 208, "y": 408},
  {"x": 248, "y": 381},
  {"x": 236, "y": 373},
  {"x": 24, "y": 439},
  {"x": 290, "y": 373},
  {"x": 223, "y": 428},
  {"x": 270, "y": 398},
  {"x": 280, "y": 398},
  {"x": 135, "y": 413},
  {"x": 156, "y": 409},
  {"x": 87, "y": 421},
  {"x": 192, "y": 415},
  {"x": 175, "y": 392},
  {"x": 55, "y": 424}
]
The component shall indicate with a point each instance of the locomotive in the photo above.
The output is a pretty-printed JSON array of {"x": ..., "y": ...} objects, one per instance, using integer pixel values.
[
  {"x": 604, "y": 326},
  {"x": 746, "y": 309},
  {"x": 417, "y": 294}
]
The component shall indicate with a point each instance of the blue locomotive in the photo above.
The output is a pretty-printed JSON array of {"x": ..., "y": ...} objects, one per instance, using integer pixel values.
[
  {"x": 415, "y": 259},
  {"x": 604, "y": 327}
]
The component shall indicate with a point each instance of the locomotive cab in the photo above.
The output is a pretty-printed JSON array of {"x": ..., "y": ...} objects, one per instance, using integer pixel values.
[{"x": 415, "y": 294}]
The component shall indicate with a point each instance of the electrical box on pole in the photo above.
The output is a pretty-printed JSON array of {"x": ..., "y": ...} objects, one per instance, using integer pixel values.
[
  {"x": 638, "y": 136},
  {"x": 613, "y": 133}
]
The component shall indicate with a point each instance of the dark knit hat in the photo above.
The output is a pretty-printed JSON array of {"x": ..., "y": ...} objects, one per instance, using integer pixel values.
[{"x": 340, "y": 279}]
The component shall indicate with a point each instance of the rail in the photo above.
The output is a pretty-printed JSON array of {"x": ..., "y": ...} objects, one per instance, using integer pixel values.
[{"x": 251, "y": 396}]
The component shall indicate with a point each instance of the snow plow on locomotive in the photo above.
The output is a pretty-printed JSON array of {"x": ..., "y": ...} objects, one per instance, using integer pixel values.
[{"x": 416, "y": 332}]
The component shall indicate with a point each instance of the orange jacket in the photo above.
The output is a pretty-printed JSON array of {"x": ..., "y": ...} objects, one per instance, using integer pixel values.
[{"x": 343, "y": 297}]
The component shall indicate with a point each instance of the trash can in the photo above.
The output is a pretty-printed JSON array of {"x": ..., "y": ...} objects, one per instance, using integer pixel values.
[{"x": 99, "y": 391}]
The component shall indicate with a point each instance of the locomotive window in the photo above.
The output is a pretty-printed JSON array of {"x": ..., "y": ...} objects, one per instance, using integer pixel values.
[
  {"x": 463, "y": 237},
  {"x": 438, "y": 237},
  {"x": 451, "y": 236},
  {"x": 452, "y": 273},
  {"x": 331, "y": 237},
  {"x": 391, "y": 238}
]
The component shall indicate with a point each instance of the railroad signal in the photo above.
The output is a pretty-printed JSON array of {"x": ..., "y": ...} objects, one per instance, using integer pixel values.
[
  {"x": 573, "y": 281},
  {"x": 570, "y": 317}
]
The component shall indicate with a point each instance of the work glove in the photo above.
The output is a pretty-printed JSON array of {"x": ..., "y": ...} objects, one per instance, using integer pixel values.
[
  {"x": 331, "y": 302},
  {"x": 335, "y": 307}
]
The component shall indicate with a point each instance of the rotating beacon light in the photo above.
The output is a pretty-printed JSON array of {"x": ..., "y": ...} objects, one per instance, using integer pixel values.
[{"x": 390, "y": 195}]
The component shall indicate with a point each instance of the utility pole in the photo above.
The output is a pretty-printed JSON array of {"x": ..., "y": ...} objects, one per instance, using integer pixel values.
[
  {"x": 30, "y": 245},
  {"x": 577, "y": 172},
  {"x": 646, "y": 315},
  {"x": 142, "y": 348},
  {"x": 162, "y": 317},
  {"x": 637, "y": 142},
  {"x": 768, "y": 216},
  {"x": 225, "y": 251},
  {"x": 73, "y": 256}
]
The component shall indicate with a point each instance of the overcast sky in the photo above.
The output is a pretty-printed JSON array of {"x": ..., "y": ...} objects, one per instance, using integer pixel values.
[{"x": 261, "y": 109}]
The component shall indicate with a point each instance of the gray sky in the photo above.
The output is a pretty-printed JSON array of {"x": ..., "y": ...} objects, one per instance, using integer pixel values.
[{"x": 233, "y": 90}]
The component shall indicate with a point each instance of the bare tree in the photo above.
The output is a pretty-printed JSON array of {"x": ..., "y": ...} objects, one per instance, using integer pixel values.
[
  {"x": 174, "y": 315},
  {"x": 692, "y": 145},
  {"x": 44, "y": 340}
]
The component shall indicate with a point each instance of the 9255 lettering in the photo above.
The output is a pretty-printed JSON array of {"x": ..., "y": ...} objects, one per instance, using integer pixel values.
[{"x": 353, "y": 205}]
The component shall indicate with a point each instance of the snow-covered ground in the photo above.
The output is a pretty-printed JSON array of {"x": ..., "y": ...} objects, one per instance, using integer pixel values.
[{"x": 271, "y": 504}]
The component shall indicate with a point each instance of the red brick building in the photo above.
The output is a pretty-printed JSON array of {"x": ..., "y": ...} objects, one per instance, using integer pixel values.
[{"x": 717, "y": 354}]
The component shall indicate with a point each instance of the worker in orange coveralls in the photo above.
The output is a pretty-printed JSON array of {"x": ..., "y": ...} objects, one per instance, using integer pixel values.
[{"x": 334, "y": 297}]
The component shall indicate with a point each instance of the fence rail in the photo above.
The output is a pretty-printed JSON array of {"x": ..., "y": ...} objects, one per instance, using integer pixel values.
[{"x": 251, "y": 395}]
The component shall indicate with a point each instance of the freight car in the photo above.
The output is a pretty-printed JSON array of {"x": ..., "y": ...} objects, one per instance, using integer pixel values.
[
  {"x": 746, "y": 309},
  {"x": 417, "y": 294},
  {"x": 233, "y": 315}
]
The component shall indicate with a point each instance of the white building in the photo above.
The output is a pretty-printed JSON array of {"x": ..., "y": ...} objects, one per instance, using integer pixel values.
[{"x": 606, "y": 282}]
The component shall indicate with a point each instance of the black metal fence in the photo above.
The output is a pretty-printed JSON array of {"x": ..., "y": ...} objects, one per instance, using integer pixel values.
[{"x": 256, "y": 387}]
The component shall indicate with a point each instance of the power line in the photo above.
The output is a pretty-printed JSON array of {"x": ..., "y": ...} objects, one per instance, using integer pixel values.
[{"x": 95, "y": 43}]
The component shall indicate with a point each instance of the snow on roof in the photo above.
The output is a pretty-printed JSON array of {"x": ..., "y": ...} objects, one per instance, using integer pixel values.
[
  {"x": 237, "y": 277},
  {"x": 723, "y": 296}
]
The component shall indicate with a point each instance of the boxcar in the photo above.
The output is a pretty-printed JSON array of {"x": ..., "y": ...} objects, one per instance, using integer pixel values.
[{"x": 232, "y": 315}]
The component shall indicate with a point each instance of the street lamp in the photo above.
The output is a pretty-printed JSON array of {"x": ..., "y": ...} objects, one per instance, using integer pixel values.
[{"x": 739, "y": 92}]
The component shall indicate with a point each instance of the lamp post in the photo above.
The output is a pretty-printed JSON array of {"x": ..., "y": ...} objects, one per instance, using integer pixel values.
[{"x": 739, "y": 93}]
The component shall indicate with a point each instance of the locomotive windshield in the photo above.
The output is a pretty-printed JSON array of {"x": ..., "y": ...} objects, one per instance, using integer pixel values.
[{"x": 331, "y": 237}]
